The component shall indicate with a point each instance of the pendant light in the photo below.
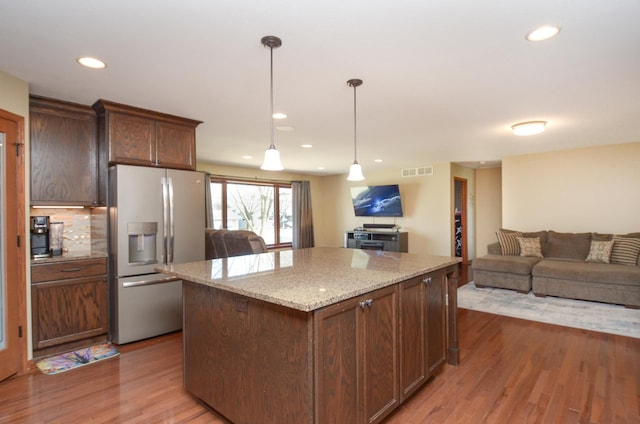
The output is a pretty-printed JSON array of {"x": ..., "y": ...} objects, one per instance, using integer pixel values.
[
  {"x": 272, "y": 155},
  {"x": 355, "y": 171}
]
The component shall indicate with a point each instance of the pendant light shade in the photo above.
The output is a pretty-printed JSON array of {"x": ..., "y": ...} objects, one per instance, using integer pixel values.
[
  {"x": 271, "y": 155},
  {"x": 355, "y": 171}
]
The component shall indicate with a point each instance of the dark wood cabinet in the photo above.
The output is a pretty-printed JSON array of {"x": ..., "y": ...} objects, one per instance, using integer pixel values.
[
  {"x": 357, "y": 346},
  {"x": 135, "y": 136},
  {"x": 69, "y": 304},
  {"x": 422, "y": 337},
  {"x": 64, "y": 153}
]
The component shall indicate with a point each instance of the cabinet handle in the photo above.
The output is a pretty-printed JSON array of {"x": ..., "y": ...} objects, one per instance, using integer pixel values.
[
  {"x": 72, "y": 269},
  {"x": 365, "y": 303},
  {"x": 427, "y": 280}
]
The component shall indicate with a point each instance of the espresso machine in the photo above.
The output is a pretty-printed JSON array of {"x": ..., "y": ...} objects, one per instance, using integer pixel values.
[{"x": 40, "y": 237}]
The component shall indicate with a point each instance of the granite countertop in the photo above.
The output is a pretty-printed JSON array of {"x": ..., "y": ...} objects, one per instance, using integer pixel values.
[
  {"x": 308, "y": 279},
  {"x": 69, "y": 257}
]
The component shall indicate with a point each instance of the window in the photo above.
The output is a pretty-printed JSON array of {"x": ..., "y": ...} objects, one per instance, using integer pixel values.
[{"x": 262, "y": 207}]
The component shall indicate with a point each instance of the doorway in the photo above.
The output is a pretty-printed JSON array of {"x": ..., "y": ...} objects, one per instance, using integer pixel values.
[
  {"x": 460, "y": 219},
  {"x": 12, "y": 246}
]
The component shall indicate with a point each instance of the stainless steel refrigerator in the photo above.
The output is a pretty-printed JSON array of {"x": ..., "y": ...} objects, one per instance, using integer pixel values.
[{"x": 156, "y": 217}]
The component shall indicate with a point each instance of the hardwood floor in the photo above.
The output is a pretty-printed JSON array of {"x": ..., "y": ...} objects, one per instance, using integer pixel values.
[{"x": 511, "y": 371}]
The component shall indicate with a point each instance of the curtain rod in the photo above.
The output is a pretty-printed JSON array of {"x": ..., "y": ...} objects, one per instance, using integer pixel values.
[{"x": 250, "y": 179}]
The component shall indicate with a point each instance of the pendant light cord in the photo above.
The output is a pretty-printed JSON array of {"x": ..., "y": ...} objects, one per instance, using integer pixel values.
[
  {"x": 355, "y": 128},
  {"x": 272, "y": 146}
]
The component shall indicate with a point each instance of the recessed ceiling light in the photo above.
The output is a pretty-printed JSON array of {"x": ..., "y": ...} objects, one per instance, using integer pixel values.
[
  {"x": 528, "y": 128},
  {"x": 321, "y": 168},
  {"x": 285, "y": 128},
  {"x": 279, "y": 115},
  {"x": 306, "y": 146},
  {"x": 247, "y": 157},
  {"x": 91, "y": 62},
  {"x": 377, "y": 160},
  {"x": 543, "y": 33}
]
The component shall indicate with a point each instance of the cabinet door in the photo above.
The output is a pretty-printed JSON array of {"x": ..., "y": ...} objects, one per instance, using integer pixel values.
[
  {"x": 175, "y": 146},
  {"x": 414, "y": 369},
  {"x": 131, "y": 139},
  {"x": 356, "y": 359},
  {"x": 68, "y": 310},
  {"x": 64, "y": 153},
  {"x": 436, "y": 285}
]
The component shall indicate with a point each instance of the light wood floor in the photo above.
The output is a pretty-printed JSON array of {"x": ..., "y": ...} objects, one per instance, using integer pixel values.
[{"x": 511, "y": 371}]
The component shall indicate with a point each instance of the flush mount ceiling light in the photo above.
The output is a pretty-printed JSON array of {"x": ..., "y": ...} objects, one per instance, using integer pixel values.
[
  {"x": 543, "y": 33},
  {"x": 272, "y": 155},
  {"x": 529, "y": 128},
  {"x": 91, "y": 62},
  {"x": 355, "y": 171}
]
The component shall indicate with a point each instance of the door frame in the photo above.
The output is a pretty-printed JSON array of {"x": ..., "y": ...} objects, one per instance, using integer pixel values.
[{"x": 14, "y": 359}]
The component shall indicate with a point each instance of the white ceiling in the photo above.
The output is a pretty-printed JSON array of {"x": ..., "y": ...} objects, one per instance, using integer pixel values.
[{"x": 443, "y": 79}]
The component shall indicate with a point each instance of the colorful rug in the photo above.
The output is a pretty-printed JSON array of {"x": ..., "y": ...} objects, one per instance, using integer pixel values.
[
  {"x": 603, "y": 317},
  {"x": 68, "y": 361}
]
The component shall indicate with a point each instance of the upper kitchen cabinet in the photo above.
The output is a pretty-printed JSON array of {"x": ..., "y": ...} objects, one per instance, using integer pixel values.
[
  {"x": 134, "y": 136},
  {"x": 64, "y": 153}
]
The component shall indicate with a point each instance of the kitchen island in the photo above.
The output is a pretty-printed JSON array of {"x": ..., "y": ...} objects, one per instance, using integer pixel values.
[{"x": 316, "y": 335}]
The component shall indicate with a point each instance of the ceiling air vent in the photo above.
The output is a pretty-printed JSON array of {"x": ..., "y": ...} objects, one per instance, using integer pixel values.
[{"x": 417, "y": 172}]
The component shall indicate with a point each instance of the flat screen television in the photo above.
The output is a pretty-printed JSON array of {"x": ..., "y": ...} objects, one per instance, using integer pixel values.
[{"x": 381, "y": 200}]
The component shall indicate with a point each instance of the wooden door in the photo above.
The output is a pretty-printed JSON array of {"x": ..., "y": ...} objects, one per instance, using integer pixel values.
[
  {"x": 413, "y": 341},
  {"x": 131, "y": 139},
  {"x": 175, "y": 146},
  {"x": 356, "y": 359},
  {"x": 12, "y": 253},
  {"x": 435, "y": 298},
  {"x": 64, "y": 153},
  {"x": 68, "y": 310},
  {"x": 379, "y": 377}
]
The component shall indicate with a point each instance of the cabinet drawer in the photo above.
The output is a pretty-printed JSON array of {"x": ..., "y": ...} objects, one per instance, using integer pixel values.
[{"x": 67, "y": 270}]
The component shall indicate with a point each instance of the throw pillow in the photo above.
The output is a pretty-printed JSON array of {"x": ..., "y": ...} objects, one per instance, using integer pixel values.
[
  {"x": 625, "y": 250},
  {"x": 600, "y": 251},
  {"x": 530, "y": 246},
  {"x": 509, "y": 242}
]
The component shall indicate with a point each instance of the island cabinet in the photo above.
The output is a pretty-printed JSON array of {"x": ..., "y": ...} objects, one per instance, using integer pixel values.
[
  {"x": 64, "y": 153},
  {"x": 422, "y": 329},
  {"x": 69, "y": 304},
  {"x": 356, "y": 345},
  {"x": 135, "y": 136}
]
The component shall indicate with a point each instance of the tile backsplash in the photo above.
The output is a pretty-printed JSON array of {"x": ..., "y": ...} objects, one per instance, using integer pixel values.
[{"x": 85, "y": 230}]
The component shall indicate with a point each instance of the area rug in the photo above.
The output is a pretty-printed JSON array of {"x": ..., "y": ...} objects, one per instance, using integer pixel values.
[
  {"x": 68, "y": 361},
  {"x": 606, "y": 318}
]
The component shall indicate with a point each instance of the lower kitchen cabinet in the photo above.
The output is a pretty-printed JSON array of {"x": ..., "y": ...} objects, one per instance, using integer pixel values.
[
  {"x": 422, "y": 339},
  {"x": 69, "y": 303},
  {"x": 357, "y": 347}
]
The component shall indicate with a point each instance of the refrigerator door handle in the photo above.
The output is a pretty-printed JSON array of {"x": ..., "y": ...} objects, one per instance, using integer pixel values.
[
  {"x": 148, "y": 282},
  {"x": 171, "y": 223},
  {"x": 165, "y": 219}
]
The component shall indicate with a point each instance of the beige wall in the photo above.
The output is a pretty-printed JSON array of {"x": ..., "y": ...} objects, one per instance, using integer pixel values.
[
  {"x": 488, "y": 198},
  {"x": 426, "y": 202},
  {"x": 580, "y": 190}
]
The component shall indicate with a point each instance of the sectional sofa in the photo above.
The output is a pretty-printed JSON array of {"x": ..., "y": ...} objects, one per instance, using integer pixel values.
[{"x": 587, "y": 266}]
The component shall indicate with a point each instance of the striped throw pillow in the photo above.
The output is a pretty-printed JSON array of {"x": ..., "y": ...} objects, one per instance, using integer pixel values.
[
  {"x": 509, "y": 242},
  {"x": 625, "y": 250}
]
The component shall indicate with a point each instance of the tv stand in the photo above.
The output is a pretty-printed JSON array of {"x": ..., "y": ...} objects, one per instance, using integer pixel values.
[{"x": 391, "y": 241}]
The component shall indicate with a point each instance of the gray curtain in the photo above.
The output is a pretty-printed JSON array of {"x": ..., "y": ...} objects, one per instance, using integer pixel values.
[
  {"x": 302, "y": 218},
  {"x": 208, "y": 206}
]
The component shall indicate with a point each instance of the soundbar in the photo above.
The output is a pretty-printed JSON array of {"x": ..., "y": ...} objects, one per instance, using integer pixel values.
[{"x": 385, "y": 226}]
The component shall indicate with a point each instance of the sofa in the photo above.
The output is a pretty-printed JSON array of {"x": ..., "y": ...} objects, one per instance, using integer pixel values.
[
  {"x": 226, "y": 243},
  {"x": 586, "y": 266}
]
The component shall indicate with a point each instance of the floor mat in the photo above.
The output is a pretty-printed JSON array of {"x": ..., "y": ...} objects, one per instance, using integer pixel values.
[
  {"x": 70, "y": 360},
  {"x": 603, "y": 317}
]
